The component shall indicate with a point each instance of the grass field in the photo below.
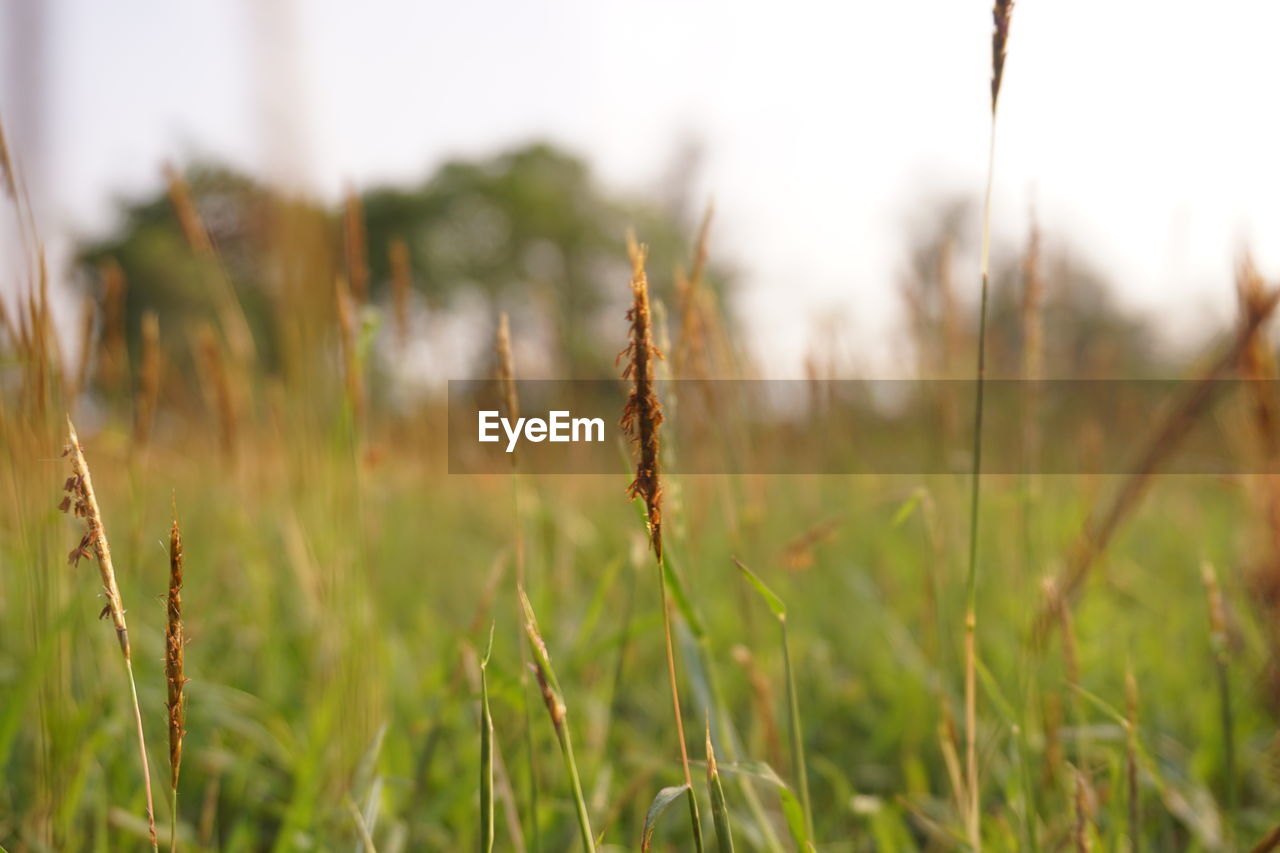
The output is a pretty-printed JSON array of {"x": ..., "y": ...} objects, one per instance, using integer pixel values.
[{"x": 372, "y": 653}]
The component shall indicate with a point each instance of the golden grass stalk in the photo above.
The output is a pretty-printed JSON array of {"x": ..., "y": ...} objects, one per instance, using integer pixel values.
[
  {"x": 1080, "y": 835},
  {"x": 217, "y": 387},
  {"x": 349, "y": 336},
  {"x": 506, "y": 367},
  {"x": 641, "y": 419},
  {"x": 556, "y": 710},
  {"x": 84, "y": 503},
  {"x": 762, "y": 699},
  {"x": 506, "y": 376},
  {"x": 1032, "y": 373},
  {"x": 355, "y": 246},
  {"x": 1166, "y": 436},
  {"x": 175, "y": 673},
  {"x": 230, "y": 312},
  {"x": 1257, "y": 365},
  {"x": 401, "y": 286},
  {"x": 149, "y": 377},
  {"x": 88, "y": 319},
  {"x": 1269, "y": 842},
  {"x": 1002, "y": 12},
  {"x": 114, "y": 361},
  {"x": 691, "y": 357}
]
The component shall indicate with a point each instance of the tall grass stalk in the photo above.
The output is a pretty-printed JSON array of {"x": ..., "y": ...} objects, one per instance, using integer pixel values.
[
  {"x": 554, "y": 699},
  {"x": 506, "y": 377},
  {"x": 641, "y": 419},
  {"x": 84, "y": 503},
  {"x": 486, "y": 753},
  {"x": 1001, "y": 14}
]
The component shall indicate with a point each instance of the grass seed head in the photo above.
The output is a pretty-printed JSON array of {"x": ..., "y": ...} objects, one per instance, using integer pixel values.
[
  {"x": 506, "y": 367},
  {"x": 643, "y": 413},
  {"x": 174, "y": 667},
  {"x": 94, "y": 542},
  {"x": 1001, "y": 13}
]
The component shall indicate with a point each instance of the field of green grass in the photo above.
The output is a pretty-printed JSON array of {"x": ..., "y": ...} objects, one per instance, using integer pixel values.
[
  {"x": 337, "y": 597},
  {"x": 381, "y": 655}
]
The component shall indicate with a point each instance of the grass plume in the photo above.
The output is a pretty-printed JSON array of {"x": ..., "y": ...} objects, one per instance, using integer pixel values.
[
  {"x": 1166, "y": 436},
  {"x": 641, "y": 420},
  {"x": 82, "y": 501},
  {"x": 1002, "y": 14},
  {"x": 175, "y": 672}
]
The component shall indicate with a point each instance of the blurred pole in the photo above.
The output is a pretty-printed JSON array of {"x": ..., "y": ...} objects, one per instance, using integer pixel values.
[
  {"x": 280, "y": 93},
  {"x": 26, "y": 74}
]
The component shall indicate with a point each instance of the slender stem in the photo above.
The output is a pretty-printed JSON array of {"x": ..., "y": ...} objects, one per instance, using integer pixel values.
[
  {"x": 797, "y": 738},
  {"x": 974, "y": 819},
  {"x": 579, "y": 799},
  {"x": 173, "y": 826},
  {"x": 1228, "y": 733},
  {"x": 142, "y": 750},
  {"x": 675, "y": 702}
]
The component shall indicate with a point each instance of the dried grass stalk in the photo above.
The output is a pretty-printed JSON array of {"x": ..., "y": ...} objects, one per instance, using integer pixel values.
[
  {"x": 401, "y": 286},
  {"x": 350, "y": 337},
  {"x": 355, "y": 243},
  {"x": 113, "y": 362},
  {"x": 506, "y": 367},
  {"x": 83, "y": 502},
  {"x": 88, "y": 320},
  {"x": 230, "y": 312},
  {"x": 149, "y": 378},
  {"x": 1165, "y": 438},
  {"x": 217, "y": 387}
]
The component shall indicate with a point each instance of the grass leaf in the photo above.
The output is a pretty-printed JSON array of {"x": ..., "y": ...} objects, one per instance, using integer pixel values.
[{"x": 660, "y": 804}]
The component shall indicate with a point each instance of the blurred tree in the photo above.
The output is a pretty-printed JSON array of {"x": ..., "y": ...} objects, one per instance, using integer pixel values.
[
  {"x": 1086, "y": 332},
  {"x": 529, "y": 231}
]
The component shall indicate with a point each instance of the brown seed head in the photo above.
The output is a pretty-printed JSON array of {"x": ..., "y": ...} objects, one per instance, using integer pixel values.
[
  {"x": 354, "y": 238},
  {"x": 149, "y": 377},
  {"x": 1002, "y": 12},
  {"x": 506, "y": 367},
  {"x": 94, "y": 541},
  {"x": 174, "y": 668},
  {"x": 401, "y": 284},
  {"x": 643, "y": 413}
]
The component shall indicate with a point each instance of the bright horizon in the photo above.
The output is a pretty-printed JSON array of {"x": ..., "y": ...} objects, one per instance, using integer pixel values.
[{"x": 818, "y": 131}]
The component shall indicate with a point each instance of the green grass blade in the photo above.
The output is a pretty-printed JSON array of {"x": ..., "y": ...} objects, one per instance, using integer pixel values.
[
  {"x": 794, "y": 734},
  {"x": 719, "y": 806},
  {"x": 556, "y": 709},
  {"x": 660, "y": 804},
  {"x": 486, "y": 753},
  {"x": 774, "y": 603}
]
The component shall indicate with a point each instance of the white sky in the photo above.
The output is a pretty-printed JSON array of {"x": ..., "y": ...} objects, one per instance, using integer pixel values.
[{"x": 1146, "y": 131}]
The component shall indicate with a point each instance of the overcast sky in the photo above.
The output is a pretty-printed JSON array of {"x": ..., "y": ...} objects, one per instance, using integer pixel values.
[{"x": 1145, "y": 131}]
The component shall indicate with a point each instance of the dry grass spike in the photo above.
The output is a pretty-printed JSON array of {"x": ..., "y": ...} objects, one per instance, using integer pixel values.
[
  {"x": 643, "y": 413},
  {"x": 83, "y": 502},
  {"x": 175, "y": 670}
]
